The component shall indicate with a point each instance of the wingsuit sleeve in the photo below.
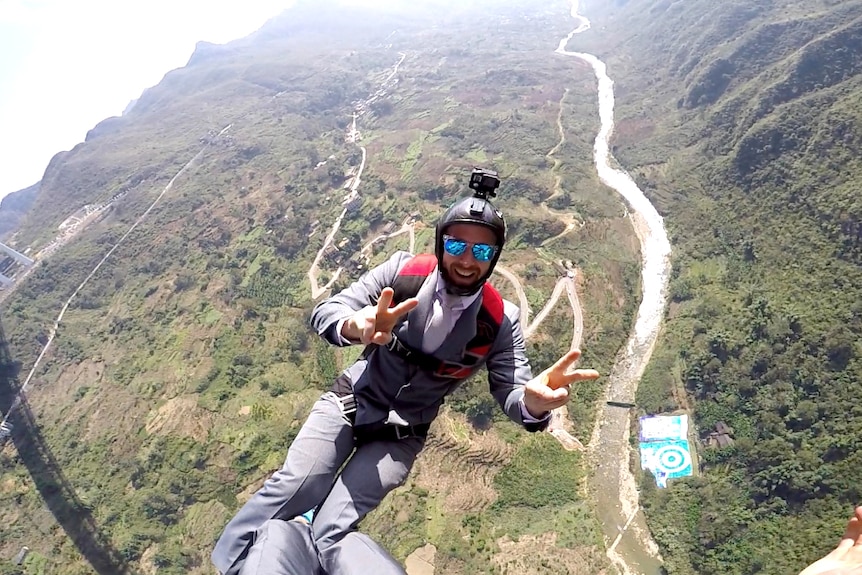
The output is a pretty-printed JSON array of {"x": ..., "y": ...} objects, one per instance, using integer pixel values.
[
  {"x": 509, "y": 370},
  {"x": 365, "y": 291}
]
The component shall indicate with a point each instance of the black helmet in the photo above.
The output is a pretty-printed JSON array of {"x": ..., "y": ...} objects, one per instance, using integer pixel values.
[{"x": 473, "y": 210}]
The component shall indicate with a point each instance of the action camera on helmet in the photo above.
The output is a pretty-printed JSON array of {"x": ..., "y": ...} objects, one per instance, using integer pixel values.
[{"x": 485, "y": 183}]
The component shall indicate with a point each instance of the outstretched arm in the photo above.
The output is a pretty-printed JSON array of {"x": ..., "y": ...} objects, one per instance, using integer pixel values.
[
  {"x": 509, "y": 369},
  {"x": 512, "y": 382}
]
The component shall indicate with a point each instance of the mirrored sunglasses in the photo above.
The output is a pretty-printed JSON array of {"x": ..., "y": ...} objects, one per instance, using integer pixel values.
[{"x": 456, "y": 247}]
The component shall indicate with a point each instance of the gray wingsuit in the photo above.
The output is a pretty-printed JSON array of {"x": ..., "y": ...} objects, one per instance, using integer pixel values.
[{"x": 383, "y": 384}]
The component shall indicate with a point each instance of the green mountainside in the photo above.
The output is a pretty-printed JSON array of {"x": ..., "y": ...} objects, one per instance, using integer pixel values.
[
  {"x": 741, "y": 120},
  {"x": 184, "y": 366}
]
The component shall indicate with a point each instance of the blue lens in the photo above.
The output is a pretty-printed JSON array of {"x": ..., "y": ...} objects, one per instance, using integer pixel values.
[
  {"x": 454, "y": 247},
  {"x": 483, "y": 252}
]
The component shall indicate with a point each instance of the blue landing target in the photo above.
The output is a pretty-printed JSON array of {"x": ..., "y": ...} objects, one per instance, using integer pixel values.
[{"x": 666, "y": 459}]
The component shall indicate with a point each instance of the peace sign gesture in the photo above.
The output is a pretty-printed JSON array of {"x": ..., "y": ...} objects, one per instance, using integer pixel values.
[
  {"x": 374, "y": 324},
  {"x": 550, "y": 389}
]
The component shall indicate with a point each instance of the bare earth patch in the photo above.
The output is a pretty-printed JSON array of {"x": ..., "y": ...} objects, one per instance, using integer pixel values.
[
  {"x": 148, "y": 560},
  {"x": 421, "y": 561},
  {"x": 180, "y": 416},
  {"x": 461, "y": 467}
]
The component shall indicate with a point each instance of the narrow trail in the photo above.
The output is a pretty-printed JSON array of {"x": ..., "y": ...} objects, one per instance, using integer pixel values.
[
  {"x": 567, "y": 218},
  {"x": 406, "y": 228},
  {"x": 354, "y": 136},
  {"x": 317, "y": 290},
  {"x": 522, "y": 297},
  {"x": 540, "y": 317}
]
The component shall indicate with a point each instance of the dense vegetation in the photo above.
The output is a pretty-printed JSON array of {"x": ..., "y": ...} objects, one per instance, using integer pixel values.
[
  {"x": 741, "y": 121},
  {"x": 184, "y": 366}
]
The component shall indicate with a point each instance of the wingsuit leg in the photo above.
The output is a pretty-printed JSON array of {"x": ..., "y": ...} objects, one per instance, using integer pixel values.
[
  {"x": 287, "y": 548},
  {"x": 372, "y": 472},
  {"x": 282, "y": 548},
  {"x": 321, "y": 447}
]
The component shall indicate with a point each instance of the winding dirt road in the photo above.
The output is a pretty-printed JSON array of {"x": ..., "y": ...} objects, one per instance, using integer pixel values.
[
  {"x": 353, "y": 136},
  {"x": 560, "y": 425}
]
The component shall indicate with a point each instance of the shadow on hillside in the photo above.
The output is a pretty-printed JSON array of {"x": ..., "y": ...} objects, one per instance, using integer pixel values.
[{"x": 47, "y": 475}]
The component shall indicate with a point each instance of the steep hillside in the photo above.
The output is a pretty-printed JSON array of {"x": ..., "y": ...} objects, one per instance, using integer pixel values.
[
  {"x": 183, "y": 366},
  {"x": 14, "y": 206},
  {"x": 741, "y": 120}
]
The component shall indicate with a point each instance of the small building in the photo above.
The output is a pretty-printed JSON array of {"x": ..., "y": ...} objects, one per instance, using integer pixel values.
[
  {"x": 356, "y": 263},
  {"x": 353, "y": 203},
  {"x": 721, "y": 436}
]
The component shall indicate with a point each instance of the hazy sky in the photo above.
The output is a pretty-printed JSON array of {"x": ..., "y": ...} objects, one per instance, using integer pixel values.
[{"x": 65, "y": 65}]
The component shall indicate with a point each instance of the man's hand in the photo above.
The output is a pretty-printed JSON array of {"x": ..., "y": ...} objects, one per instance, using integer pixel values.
[
  {"x": 374, "y": 324},
  {"x": 550, "y": 389},
  {"x": 846, "y": 558}
]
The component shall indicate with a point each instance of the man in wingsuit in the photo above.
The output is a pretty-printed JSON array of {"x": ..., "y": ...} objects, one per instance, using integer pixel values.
[{"x": 428, "y": 322}]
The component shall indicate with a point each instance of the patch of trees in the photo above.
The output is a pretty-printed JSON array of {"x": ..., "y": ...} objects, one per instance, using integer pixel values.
[
  {"x": 710, "y": 85},
  {"x": 523, "y": 483},
  {"x": 533, "y": 229}
]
